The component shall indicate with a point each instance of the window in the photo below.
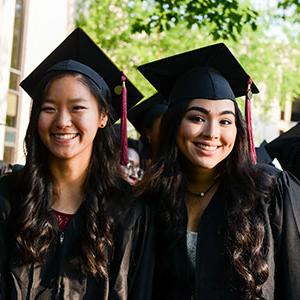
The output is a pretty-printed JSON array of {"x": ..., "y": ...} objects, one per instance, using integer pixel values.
[
  {"x": 9, "y": 153},
  {"x": 13, "y": 93},
  {"x": 17, "y": 40},
  {"x": 12, "y": 109}
]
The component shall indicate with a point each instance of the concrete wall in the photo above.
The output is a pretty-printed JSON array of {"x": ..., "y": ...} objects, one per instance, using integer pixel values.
[{"x": 7, "y": 13}]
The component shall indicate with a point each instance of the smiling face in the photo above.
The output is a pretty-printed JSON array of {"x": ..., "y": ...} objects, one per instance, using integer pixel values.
[
  {"x": 207, "y": 132},
  {"x": 69, "y": 119}
]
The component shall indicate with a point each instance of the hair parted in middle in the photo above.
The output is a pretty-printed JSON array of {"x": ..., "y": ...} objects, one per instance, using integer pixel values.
[{"x": 32, "y": 224}]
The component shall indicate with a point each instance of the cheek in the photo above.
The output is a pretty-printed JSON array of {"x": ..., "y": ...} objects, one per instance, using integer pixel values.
[
  {"x": 88, "y": 121},
  {"x": 182, "y": 138},
  {"x": 43, "y": 123},
  {"x": 186, "y": 132},
  {"x": 230, "y": 137}
]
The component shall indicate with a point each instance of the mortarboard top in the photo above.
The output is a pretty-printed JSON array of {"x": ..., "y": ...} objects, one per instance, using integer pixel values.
[
  {"x": 146, "y": 112},
  {"x": 262, "y": 154},
  {"x": 281, "y": 146},
  {"x": 79, "y": 53},
  {"x": 286, "y": 148},
  {"x": 211, "y": 72}
]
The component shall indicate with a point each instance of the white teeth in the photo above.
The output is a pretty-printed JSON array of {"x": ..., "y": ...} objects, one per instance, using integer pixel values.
[
  {"x": 65, "y": 137},
  {"x": 207, "y": 147}
]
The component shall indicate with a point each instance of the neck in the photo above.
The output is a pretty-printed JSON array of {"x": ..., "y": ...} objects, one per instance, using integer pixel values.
[
  {"x": 200, "y": 179},
  {"x": 69, "y": 178}
]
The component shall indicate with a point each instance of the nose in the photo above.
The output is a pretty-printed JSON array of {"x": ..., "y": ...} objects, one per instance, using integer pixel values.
[
  {"x": 211, "y": 130},
  {"x": 136, "y": 172},
  {"x": 63, "y": 119}
]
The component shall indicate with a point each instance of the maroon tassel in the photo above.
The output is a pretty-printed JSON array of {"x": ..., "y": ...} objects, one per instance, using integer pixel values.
[
  {"x": 124, "y": 142},
  {"x": 249, "y": 120}
]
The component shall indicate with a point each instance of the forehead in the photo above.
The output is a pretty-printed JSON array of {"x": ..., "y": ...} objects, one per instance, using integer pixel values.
[
  {"x": 133, "y": 155},
  {"x": 71, "y": 77},
  {"x": 67, "y": 83},
  {"x": 69, "y": 89},
  {"x": 213, "y": 105}
]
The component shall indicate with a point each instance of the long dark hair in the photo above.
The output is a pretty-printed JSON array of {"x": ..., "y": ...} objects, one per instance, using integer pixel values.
[
  {"x": 247, "y": 185},
  {"x": 33, "y": 228}
]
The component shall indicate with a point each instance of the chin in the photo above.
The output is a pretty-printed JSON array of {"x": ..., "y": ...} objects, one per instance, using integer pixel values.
[
  {"x": 204, "y": 165},
  {"x": 132, "y": 181},
  {"x": 62, "y": 156}
]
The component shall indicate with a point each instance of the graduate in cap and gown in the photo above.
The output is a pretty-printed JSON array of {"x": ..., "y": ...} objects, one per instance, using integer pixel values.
[
  {"x": 146, "y": 118},
  {"x": 67, "y": 227},
  {"x": 227, "y": 228}
]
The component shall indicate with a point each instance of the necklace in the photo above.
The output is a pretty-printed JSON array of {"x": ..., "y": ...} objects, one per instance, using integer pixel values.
[{"x": 202, "y": 194}]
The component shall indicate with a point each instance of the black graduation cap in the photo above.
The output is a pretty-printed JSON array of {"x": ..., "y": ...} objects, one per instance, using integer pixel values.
[
  {"x": 146, "y": 112},
  {"x": 211, "y": 72},
  {"x": 286, "y": 148},
  {"x": 79, "y": 53},
  {"x": 262, "y": 154}
]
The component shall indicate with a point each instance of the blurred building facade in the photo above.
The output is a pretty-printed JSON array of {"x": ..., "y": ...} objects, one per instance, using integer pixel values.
[{"x": 30, "y": 30}]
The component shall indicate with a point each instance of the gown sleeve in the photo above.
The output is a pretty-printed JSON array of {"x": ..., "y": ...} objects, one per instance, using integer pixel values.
[
  {"x": 6, "y": 188},
  {"x": 287, "y": 276},
  {"x": 142, "y": 258},
  {"x": 134, "y": 258}
]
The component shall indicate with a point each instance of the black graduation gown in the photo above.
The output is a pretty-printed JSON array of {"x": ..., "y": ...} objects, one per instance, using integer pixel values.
[
  {"x": 60, "y": 276},
  {"x": 213, "y": 277}
]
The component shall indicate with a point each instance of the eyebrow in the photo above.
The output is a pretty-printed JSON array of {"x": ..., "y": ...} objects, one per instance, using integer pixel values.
[
  {"x": 206, "y": 112},
  {"x": 75, "y": 100}
]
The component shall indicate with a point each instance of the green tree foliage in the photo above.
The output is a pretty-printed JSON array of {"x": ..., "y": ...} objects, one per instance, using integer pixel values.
[
  {"x": 226, "y": 18},
  {"x": 290, "y": 9},
  {"x": 273, "y": 62}
]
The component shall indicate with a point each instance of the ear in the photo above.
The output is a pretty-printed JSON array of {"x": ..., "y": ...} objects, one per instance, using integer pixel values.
[{"x": 103, "y": 120}]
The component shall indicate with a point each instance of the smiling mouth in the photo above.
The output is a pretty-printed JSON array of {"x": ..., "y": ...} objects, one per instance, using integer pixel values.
[
  {"x": 65, "y": 136},
  {"x": 206, "y": 147}
]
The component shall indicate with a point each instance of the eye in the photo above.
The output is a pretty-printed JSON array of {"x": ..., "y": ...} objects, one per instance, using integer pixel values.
[
  {"x": 78, "y": 108},
  {"x": 226, "y": 122},
  {"x": 48, "y": 109},
  {"x": 196, "y": 119}
]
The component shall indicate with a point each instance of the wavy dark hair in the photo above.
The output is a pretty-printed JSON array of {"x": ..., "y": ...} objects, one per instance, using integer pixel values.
[
  {"x": 147, "y": 150},
  {"x": 32, "y": 220},
  {"x": 248, "y": 185}
]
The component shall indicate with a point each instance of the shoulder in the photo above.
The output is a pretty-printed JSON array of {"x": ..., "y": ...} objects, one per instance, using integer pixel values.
[
  {"x": 285, "y": 182},
  {"x": 268, "y": 169},
  {"x": 284, "y": 204},
  {"x": 8, "y": 181},
  {"x": 285, "y": 185},
  {"x": 8, "y": 189},
  {"x": 282, "y": 181}
]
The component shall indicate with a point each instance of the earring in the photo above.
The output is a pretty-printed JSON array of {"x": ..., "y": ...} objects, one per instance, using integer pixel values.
[{"x": 101, "y": 125}]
